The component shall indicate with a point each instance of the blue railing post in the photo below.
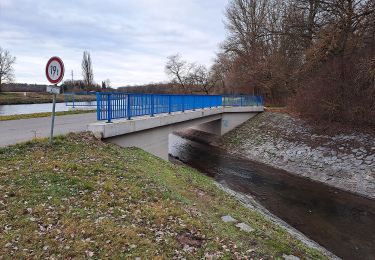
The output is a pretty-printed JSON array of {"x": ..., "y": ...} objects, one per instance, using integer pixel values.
[
  {"x": 152, "y": 105},
  {"x": 193, "y": 102},
  {"x": 128, "y": 112},
  {"x": 241, "y": 101},
  {"x": 183, "y": 103},
  {"x": 169, "y": 104},
  {"x": 259, "y": 101},
  {"x": 98, "y": 106},
  {"x": 109, "y": 109}
]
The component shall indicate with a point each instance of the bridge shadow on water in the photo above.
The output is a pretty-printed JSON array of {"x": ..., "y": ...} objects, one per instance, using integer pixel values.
[{"x": 340, "y": 221}]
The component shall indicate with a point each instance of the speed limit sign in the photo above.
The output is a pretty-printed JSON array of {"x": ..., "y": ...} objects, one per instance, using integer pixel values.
[
  {"x": 55, "y": 70},
  {"x": 54, "y": 73}
]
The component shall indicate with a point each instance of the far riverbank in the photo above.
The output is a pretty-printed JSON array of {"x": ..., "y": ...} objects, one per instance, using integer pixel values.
[
  {"x": 342, "y": 160},
  {"x": 14, "y": 98}
]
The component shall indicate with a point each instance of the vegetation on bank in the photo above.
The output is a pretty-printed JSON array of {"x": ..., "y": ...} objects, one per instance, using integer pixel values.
[
  {"x": 13, "y": 98},
  {"x": 317, "y": 56},
  {"x": 85, "y": 198},
  {"x": 45, "y": 114}
]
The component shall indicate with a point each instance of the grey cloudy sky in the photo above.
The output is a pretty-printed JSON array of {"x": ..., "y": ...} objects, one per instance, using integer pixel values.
[{"x": 129, "y": 40}]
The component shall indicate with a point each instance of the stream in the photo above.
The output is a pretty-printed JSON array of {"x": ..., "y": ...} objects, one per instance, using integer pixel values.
[{"x": 342, "y": 222}]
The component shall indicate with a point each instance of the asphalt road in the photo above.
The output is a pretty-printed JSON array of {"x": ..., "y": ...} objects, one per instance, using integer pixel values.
[{"x": 16, "y": 131}]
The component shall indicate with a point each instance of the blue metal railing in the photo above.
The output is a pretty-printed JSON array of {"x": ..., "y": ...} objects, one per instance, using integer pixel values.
[
  {"x": 242, "y": 101},
  {"x": 125, "y": 105},
  {"x": 73, "y": 99}
]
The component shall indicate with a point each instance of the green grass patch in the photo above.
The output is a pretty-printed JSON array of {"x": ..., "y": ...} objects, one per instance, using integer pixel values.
[
  {"x": 84, "y": 198},
  {"x": 46, "y": 114}
]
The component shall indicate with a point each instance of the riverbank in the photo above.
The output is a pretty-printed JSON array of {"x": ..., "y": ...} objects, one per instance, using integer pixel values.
[
  {"x": 46, "y": 114},
  {"x": 345, "y": 161},
  {"x": 14, "y": 98},
  {"x": 85, "y": 198}
]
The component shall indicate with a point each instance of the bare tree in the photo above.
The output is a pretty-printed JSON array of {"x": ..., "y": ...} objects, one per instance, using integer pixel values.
[
  {"x": 221, "y": 70},
  {"x": 201, "y": 77},
  {"x": 247, "y": 22},
  {"x": 107, "y": 83},
  {"x": 87, "y": 73},
  {"x": 6, "y": 66},
  {"x": 179, "y": 70},
  {"x": 190, "y": 76}
]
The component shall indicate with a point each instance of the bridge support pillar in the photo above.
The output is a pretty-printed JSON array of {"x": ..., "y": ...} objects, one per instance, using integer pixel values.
[
  {"x": 213, "y": 127},
  {"x": 154, "y": 141},
  {"x": 229, "y": 121}
]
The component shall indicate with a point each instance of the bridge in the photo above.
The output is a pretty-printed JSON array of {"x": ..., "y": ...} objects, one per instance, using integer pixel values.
[{"x": 146, "y": 120}]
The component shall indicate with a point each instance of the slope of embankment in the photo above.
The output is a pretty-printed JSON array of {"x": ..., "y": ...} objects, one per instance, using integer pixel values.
[
  {"x": 82, "y": 198},
  {"x": 343, "y": 160}
]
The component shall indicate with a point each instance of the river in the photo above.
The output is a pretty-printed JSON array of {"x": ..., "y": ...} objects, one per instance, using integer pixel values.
[
  {"x": 339, "y": 221},
  {"x": 6, "y": 110}
]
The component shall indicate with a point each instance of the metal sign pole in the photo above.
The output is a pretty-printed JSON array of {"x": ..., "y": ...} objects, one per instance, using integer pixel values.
[
  {"x": 53, "y": 117},
  {"x": 54, "y": 73}
]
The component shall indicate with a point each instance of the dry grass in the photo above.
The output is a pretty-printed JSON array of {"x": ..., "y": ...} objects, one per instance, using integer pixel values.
[{"x": 83, "y": 198}]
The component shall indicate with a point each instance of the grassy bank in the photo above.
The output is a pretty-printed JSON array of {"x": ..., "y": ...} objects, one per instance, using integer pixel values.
[
  {"x": 13, "y": 98},
  {"x": 84, "y": 198},
  {"x": 46, "y": 114}
]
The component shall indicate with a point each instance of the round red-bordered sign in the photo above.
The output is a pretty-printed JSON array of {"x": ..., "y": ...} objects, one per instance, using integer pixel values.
[{"x": 55, "y": 70}]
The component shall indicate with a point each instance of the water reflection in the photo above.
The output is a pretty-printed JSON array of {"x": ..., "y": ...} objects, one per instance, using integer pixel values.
[{"x": 340, "y": 221}]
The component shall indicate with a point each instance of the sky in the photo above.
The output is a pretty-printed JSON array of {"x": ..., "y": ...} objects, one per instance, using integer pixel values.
[{"x": 129, "y": 40}]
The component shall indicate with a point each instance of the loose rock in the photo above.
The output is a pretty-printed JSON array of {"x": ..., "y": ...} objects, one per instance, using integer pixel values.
[
  {"x": 244, "y": 227},
  {"x": 228, "y": 218}
]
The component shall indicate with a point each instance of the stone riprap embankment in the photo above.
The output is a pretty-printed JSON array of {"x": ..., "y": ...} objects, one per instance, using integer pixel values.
[{"x": 344, "y": 161}]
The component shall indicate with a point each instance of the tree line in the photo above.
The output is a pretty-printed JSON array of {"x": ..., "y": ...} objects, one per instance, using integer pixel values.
[
  {"x": 87, "y": 82},
  {"x": 316, "y": 56}
]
